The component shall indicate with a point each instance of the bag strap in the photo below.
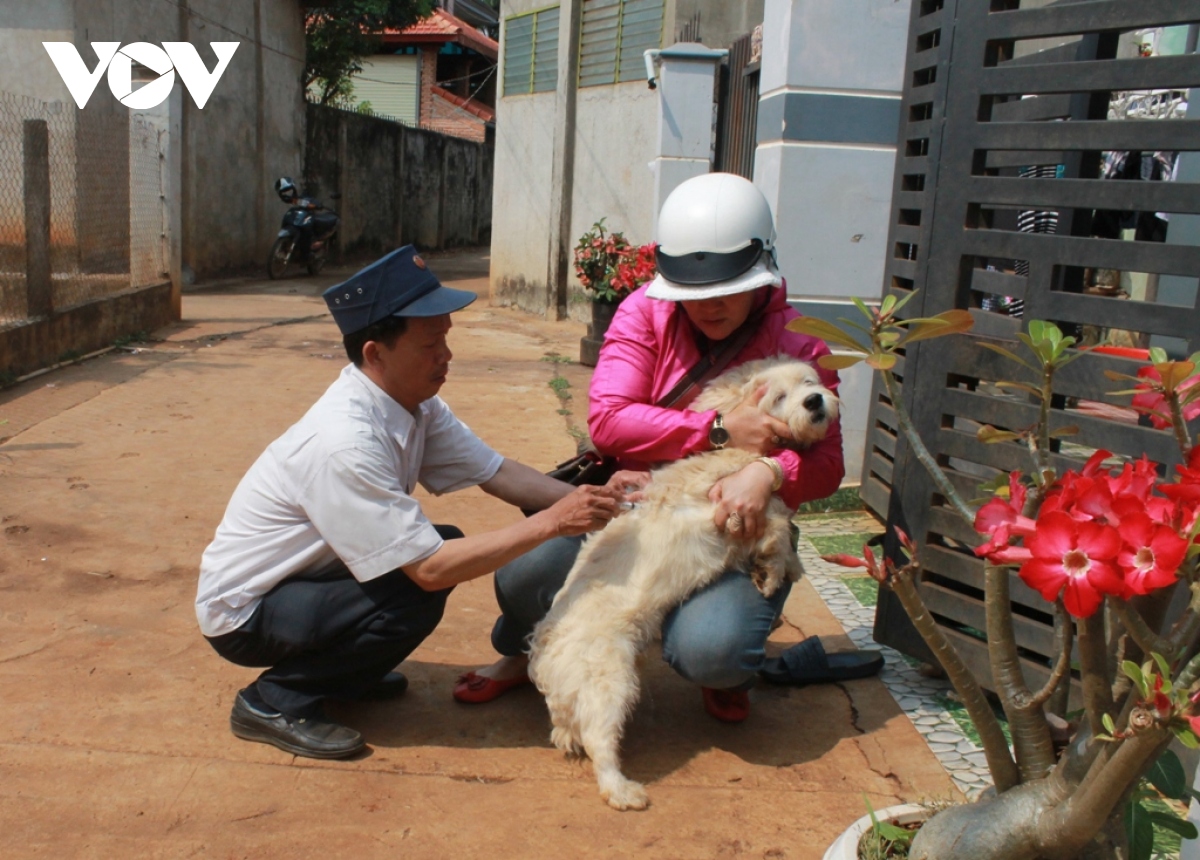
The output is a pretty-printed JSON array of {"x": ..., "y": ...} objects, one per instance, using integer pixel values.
[{"x": 713, "y": 363}]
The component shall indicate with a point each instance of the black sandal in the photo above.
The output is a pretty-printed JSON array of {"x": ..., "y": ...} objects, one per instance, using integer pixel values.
[{"x": 808, "y": 663}]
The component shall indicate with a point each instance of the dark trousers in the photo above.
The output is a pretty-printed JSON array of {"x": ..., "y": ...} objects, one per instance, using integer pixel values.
[{"x": 332, "y": 636}]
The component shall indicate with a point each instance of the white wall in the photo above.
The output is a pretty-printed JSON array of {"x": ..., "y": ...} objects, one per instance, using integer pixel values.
[
  {"x": 615, "y": 144},
  {"x": 521, "y": 200}
]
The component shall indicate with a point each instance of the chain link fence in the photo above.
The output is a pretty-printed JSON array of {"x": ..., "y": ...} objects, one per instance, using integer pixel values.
[{"x": 105, "y": 196}]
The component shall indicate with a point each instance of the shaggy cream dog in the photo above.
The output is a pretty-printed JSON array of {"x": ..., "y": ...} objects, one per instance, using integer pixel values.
[{"x": 628, "y": 576}]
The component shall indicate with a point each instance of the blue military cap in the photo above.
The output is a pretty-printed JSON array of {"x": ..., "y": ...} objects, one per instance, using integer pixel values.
[{"x": 397, "y": 285}]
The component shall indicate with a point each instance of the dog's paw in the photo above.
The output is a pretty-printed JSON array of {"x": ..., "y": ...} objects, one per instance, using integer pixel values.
[{"x": 626, "y": 794}]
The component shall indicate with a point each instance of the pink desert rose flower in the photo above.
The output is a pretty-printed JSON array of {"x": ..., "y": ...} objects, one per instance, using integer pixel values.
[
  {"x": 1151, "y": 555},
  {"x": 1073, "y": 558}
]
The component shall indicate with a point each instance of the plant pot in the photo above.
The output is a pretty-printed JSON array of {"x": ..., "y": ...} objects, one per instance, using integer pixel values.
[
  {"x": 589, "y": 345},
  {"x": 845, "y": 847}
]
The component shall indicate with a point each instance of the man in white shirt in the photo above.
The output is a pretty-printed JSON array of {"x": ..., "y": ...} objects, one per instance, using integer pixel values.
[{"x": 324, "y": 569}]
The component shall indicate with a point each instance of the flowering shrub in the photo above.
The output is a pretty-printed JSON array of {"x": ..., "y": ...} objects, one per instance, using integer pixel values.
[
  {"x": 1089, "y": 540},
  {"x": 609, "y": 267}
]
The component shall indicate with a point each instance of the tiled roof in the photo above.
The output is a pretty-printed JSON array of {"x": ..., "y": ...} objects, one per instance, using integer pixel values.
[
  {"x": 442, "y": 27},
  {"x": 484, "y": 112}
]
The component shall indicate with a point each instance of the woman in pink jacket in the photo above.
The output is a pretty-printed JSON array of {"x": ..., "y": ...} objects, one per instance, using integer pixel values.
[{"x": 718, "y": 289}]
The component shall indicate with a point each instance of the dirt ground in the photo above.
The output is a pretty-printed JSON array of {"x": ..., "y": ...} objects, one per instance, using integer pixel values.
[{"x": 114, "y": 737}]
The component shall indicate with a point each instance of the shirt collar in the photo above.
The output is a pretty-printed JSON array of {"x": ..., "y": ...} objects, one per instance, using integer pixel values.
[{"x": 398, "y": 420}]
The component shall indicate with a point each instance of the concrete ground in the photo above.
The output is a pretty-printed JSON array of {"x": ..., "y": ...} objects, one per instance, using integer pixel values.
[{"x": 114, "y": 738}]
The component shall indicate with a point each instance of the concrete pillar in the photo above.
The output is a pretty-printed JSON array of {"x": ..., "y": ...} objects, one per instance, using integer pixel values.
[
  {"x": 828, "y": 119},
  {"x": 685, "y": 81}
]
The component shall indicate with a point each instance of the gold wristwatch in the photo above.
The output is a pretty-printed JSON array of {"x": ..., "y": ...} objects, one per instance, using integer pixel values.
[{"x": 718, "y": 436}]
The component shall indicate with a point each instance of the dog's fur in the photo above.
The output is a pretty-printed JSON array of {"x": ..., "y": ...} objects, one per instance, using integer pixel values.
[{"x": 628, "y": 576}]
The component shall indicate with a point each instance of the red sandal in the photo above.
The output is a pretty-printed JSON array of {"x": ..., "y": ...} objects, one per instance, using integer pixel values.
[
  {"x": 475, "y": 689},
  {"x": 728, "y": 706}
]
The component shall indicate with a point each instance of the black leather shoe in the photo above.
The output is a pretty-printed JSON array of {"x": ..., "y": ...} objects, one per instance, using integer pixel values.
[
  {"x": 298, "y": 735},
  {"x": 390, "y": 686}
]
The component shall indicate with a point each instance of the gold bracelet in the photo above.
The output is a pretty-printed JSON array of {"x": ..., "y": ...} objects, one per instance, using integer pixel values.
[{"x": 776, "y": 470}]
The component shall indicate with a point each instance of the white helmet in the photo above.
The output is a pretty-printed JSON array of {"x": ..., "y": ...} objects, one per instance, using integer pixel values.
[{"x": 716, "y": 237}]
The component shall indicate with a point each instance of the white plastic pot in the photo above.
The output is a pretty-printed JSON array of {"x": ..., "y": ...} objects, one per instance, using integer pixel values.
[{"x": 845, "y": 847}]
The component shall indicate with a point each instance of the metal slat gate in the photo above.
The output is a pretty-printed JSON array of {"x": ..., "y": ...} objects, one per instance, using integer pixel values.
[
  {"x": 1016, "y": 133},
  {"x": 737, "y": 111}
]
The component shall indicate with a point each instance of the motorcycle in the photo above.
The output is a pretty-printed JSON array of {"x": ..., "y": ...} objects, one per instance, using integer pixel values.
[{"x": 304, "y": 236}]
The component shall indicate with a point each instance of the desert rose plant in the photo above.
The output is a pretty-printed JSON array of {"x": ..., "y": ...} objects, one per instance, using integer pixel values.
[
  {"x": 608, "y": 266},
  {"x": 1090, "y": 541}
]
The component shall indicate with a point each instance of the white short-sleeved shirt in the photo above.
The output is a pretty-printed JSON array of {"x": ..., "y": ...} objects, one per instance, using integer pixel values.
[{"x": 337, "y": 486}]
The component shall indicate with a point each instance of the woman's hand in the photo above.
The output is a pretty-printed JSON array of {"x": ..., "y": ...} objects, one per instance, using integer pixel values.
[
  {"x": 741, "y": 500},
  {"x": 629, "y": 484},
  {"x": 753, "y": 430}
]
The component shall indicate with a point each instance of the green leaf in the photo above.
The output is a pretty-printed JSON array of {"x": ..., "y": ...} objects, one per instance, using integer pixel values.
[
  {"x": 882, "y": 360},
  {"x": 1117, "y": 377},
  {"x": 947, "y": 322},
  {"x": 862, "y": 306},
  {"x": 1021, "y": 386},
  {"x": 1140, "y": 831},
  {"x": 1107, "y": 721},
  {"x": 1167, "y": 775},
  {"x": 826, "y": 331},
  {"x": 1037, "y": 330},
  {"x": 1134, "y": 671},
  {"x": 889, "y": 304},
  {"x": 839, "y": 362},
  {"x": 988, "y": 435},
  {"x": 1175, "y": 824},
  {"x": 900, "y": 304},
  {"x": 1164, "y": 668},
  {"x": 1186, "y": 737},
  {"x": 856, "y": 326},
  {"x": 1157, "y": 355},
  {"x": 1174, "y": 372}
]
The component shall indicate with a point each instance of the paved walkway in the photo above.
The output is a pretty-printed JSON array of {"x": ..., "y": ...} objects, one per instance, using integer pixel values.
[{"x": 114, "y": 738}]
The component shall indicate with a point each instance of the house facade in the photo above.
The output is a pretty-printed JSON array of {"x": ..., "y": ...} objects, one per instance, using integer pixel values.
[{"x": 438, "y": 74}]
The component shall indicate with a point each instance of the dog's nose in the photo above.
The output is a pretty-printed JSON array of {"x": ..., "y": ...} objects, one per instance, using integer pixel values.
[{"x": 814, "y": 402}]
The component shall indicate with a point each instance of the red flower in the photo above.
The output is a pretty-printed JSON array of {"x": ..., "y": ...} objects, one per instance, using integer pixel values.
[
  {"x": 1074, "y": 558},
  {"x": 1002, "y": 520},
  {"x": 1151, "y": 555}
]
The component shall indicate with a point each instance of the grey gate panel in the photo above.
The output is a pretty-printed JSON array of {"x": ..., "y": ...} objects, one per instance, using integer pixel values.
[{"x": 1006, "y": 123}]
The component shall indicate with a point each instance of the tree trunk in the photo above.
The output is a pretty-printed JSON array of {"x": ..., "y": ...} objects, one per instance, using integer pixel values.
[{"x": 1005, "y": 827}]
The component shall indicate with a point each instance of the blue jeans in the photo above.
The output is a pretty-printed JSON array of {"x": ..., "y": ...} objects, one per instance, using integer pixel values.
[{"x": 715, "y": 638}]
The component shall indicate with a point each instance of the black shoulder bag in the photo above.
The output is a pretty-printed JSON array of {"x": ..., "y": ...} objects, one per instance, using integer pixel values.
[{"x": 591, "y": 467}]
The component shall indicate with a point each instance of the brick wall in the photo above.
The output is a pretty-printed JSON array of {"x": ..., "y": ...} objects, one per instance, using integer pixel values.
[
  {"x": 446, "y": 118},
  {"x": 441, "y": 116}
]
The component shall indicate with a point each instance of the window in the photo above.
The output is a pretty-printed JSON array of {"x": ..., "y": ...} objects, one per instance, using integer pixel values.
[
  {"x": 615, "y": 33},
  {"x": 531, "y": 52}
]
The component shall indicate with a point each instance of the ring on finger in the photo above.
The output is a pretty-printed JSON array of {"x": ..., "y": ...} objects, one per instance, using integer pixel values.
[
  {"x": 775, "y": 440},
  {"x": 734, "y": 522}
]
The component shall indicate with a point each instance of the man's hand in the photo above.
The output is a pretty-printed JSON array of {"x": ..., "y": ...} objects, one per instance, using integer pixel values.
[
  {"x": 584, "y": 510},
  {"x": 742, "y": 500},
  {"x": 753, "y": 430}
]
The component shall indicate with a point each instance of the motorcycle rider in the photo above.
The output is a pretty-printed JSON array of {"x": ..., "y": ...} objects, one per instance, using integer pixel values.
[{"x": 286, "y": 188}]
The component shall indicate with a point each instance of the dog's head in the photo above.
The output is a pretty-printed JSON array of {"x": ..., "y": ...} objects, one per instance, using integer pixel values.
[{"x": 796, "y": 396}]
